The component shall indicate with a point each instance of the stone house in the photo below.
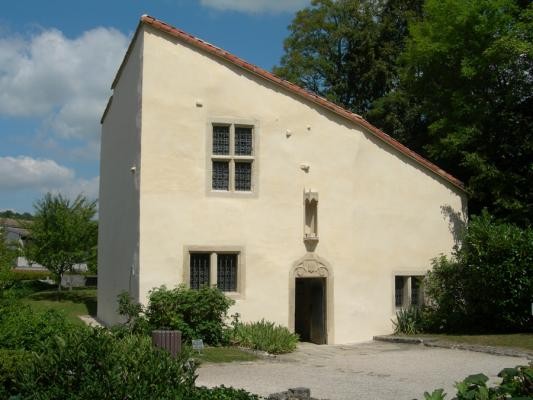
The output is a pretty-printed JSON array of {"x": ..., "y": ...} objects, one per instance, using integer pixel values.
[{"x": 216, "y": 172}]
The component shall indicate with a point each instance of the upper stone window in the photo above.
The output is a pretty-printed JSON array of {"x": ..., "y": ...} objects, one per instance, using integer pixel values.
[{"x": 232, "y": 158}]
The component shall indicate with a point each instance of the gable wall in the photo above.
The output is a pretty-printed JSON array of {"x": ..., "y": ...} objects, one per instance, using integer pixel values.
[
  {"x": 118, "y": 205},
  {"x": 378, "y": 212}
]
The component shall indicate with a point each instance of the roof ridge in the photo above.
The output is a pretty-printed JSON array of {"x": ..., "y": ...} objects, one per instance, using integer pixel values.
[{"x": 295, "y": 89}]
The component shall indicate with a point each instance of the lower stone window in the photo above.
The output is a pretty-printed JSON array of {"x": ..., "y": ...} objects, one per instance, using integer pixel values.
[
  {"x": 200, "y": 270},
  {"x": 408, "y": 291},
  {"x": 220, "y": 268}
]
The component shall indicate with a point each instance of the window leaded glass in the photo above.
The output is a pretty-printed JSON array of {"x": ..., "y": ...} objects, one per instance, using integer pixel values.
[
  {"x": 398, "y": 290},
  {"x": 243, "y": 176},
  {"x": 220, "y": 175},
  {"x": 199, "y": 270},
  {"x": 220, "y": 139},
  {"x": 243, "y": 141},
  {"x": 415, "y": 291},
  {"x": 227, "y": 272}
]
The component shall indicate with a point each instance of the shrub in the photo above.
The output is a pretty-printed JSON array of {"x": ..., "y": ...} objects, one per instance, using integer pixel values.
[
  {"x": 222, "y": 393},
  {"x": 487, "y": 284},
  {"x": 94, "y": 364},
  {"x": 22, "y": 328},
  {"x": 25, "y": 275},
  {"x": 264, "y": 336},
  {"x": 408, "y": 321},
  {"x": 136, "y": 321},
  {"x": 25, "y": 288},
  {"x": 12, "y": 362},
  {"x": 198, "y": 314},
  {"x": 517, "y": 383},
  {"x": 49, "y": 359}
]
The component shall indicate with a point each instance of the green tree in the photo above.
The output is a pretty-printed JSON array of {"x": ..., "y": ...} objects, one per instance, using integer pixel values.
[
  {"x": 465, "y": 99},
  {"x": 488, "y": 283},
  {"x": 63, "y": 233},
  {"x": 347, "y": 50}
]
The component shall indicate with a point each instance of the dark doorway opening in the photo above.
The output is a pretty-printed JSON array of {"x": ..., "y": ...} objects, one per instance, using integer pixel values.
[{"x": 310, "y": 310}]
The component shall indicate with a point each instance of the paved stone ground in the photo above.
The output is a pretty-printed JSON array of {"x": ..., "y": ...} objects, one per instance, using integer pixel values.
[{"x": 364, "y": 371}]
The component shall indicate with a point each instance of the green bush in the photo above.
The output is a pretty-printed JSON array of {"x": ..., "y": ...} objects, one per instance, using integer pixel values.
[
  {"x": 222, "y": 393},
  {"x": 24, "y": 288},
  {"x": 264, "y": 336},
  {"x": 487, "y": 284},
  {"x": 94, "y": 364},
  {"x": 43, "y": 357},
  {"x": 408, "y": 321},
  {"x": 198, "y": 314},
  {"x": 517, "y": 383},
  {"x": 12, "y": 362},
  {"x": 22, "y": 328},
  {"x": 25, "y": 275}
]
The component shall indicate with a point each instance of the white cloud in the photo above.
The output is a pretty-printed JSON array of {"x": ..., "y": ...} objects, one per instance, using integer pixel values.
[
  {"x": 256, "y": 6},
  {"x": 42, "y": 175},
  {"x": 64, "y": 81},
  {"x": 87, "y": 187},
  {"x": 27, "y": 173}
]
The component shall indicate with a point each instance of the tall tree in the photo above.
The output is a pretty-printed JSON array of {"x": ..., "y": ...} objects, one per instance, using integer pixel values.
[
  {"x": 62, "y": 234},
  {"x": 466, "y": 99},
  {"x": 347, "y": 50}
]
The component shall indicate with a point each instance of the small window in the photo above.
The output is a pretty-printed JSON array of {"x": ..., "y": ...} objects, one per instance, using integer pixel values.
[
  {"x": 227, "y": 272},
  {"x": 415, "y": 291},
  {"x": 200, "y": 267},
  {"x": 232, "y": 158},
  {"x": 399, "y": 284},
  {"x": 408, "y": 291},
  {"x": 220, "y": 267}
]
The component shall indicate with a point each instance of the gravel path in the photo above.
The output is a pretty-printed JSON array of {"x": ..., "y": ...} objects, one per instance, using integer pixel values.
[{"x": 364, "y": 371}]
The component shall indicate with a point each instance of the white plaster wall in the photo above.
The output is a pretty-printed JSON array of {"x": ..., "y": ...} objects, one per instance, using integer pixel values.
[
  {"x": 378, "y": 211},
  {"x": 118, "y": 235}
]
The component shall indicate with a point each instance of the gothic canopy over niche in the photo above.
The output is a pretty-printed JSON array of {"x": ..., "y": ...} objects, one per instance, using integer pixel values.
[{"x": 311, "y": 266}]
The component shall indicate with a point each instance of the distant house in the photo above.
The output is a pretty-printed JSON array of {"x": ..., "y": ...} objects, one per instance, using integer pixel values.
[
  {"x": 18, "y": 236},
  {"x": 216, "y": 172}
]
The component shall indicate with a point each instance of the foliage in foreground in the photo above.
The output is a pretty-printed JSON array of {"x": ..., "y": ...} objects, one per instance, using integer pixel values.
[
  {"x": 517, "y": 384},
  {"x": 21, "y": 328},
  {"x": 63, "y": 233},
  {"x": 264, "y": 336},
  {"x": 198, "y": 314},
  {"x": 487, "y": 284},
  {"x": 43, "y": 356},
  {"x": 408, "y": 321}
]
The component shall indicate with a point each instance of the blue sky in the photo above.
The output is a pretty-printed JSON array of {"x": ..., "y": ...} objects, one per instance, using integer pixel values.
[{"x": 57, "y": 62}]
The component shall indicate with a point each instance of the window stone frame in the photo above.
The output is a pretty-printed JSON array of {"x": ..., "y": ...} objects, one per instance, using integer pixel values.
[
  {"x": 232, "y": 157},
  {"x": 214, "y": 251},
  {"x": 408, "y": 275}
]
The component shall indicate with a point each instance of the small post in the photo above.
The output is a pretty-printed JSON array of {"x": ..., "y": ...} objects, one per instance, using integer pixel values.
[{"x": 167, "y": 340}]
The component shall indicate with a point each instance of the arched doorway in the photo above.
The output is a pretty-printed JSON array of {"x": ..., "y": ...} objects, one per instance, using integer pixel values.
[{"x": 311, "y": 299}]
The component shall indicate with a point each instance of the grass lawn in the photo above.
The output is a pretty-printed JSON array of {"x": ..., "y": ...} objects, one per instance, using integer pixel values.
[
  {"x": 73, "y": 303},
  {"x": 223, "y": 355},
  {"x": 516, "y": 340}
]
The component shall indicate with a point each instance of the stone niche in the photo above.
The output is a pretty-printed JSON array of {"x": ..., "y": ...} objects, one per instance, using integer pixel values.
[{"x": 310, "y": 199}]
